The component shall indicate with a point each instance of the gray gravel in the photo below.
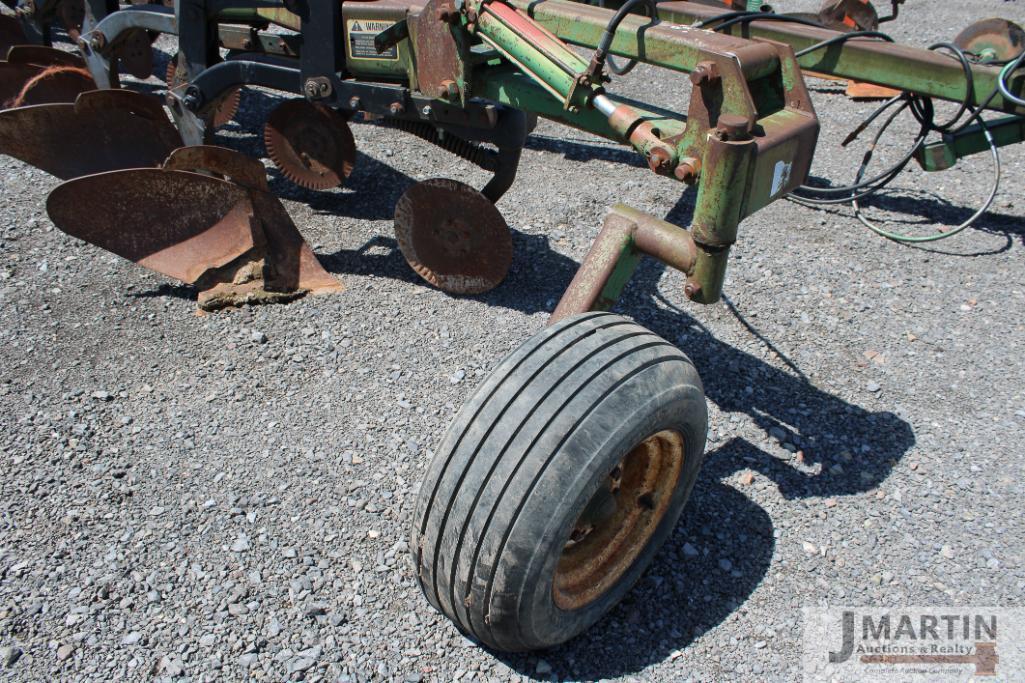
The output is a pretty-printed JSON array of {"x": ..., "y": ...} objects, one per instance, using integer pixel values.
[{"x": 210, "y": 498}]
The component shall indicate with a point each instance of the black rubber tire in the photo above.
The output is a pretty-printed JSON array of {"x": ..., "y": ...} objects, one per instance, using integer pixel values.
[{"x": 522, "y": 459}]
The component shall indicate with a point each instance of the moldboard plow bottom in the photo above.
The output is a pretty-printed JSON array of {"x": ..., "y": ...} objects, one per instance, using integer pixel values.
[{"x": 228, "y": 235}]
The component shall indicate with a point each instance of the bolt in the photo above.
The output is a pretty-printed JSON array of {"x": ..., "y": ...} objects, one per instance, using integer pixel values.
[
  {"x": 704, "y": 73},
  {"x": 97, "y": 41},
  {"x": 396, "y": 108},
  {"x": 191, "y": 102},
  {"x": 323, "y": 88},
  {"x": 426, "y": 111},
  {"x": 354, "y": 103},
  {"x": 687, "y": 171},
  {"x": 692, "y": 290},
  {"x": 311, "y": 89},
  {"x": 734, "y": 127}
]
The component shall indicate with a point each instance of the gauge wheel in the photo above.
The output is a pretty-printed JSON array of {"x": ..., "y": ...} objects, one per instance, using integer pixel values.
[{"x": 558, "y": 481}]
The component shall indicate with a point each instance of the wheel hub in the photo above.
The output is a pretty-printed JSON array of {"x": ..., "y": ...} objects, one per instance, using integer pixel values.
[{"x": 618, "y": 520}]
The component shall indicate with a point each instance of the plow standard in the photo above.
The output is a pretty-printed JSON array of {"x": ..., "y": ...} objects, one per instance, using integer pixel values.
[{"x": 568, "y": 467}]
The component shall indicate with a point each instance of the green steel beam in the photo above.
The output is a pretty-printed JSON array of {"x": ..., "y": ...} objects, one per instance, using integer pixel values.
[
  {"x": 944, "y": 153},
  {"x": 901, "y": 67}
]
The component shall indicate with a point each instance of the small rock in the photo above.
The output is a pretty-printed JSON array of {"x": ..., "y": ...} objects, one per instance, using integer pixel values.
[
  {"x": 809, "y": 548},
  {"x": 873, "y": 387},
  {"x": 947, "y": 552},
  {"x": 102, "y": 395},
  {"x": 132, "y": 638},
  {"x": 457, "y": 376},
  {"x": 241, "y": 544},
  {"x": 9, "y": 656},
  {"x": 725, "y": 565},
  {"x": 248, "y": 660},
  {"x": 258, "y": 337},
  {"x": 65, "y": 651},
  {"x": 689, "y": 550},
  {"x": 543, "y": 668}
]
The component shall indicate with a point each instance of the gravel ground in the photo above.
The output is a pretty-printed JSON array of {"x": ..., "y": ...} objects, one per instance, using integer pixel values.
[{"x": 226, "y": 496}]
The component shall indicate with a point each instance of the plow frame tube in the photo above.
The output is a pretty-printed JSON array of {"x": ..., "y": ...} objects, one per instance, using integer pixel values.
[{"x": 901, "y": 67}]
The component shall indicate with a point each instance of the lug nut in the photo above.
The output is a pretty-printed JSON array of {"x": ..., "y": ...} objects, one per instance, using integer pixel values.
[
  {"x": 354, "y": 103},
  {"x": 396, "y": 108}
]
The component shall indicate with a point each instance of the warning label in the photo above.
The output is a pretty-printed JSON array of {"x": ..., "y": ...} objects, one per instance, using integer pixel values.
[{"x": 361, "y": 39}]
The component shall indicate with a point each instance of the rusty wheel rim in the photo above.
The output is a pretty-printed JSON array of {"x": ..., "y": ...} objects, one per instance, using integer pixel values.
[{"x": 619, "y": 520}]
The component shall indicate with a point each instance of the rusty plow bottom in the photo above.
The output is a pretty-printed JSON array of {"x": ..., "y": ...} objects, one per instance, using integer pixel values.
[
  {"x": 34, "y": 74},
  {"x": 233, "y": 240},
  {"x": 103, "y": 130}
]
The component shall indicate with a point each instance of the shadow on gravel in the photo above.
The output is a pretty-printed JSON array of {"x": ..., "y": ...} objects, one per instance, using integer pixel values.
[
  {"x": 535, "y": 281},
  {"x": 585, "y": 150},
  {"x": 724, "y": 543}
]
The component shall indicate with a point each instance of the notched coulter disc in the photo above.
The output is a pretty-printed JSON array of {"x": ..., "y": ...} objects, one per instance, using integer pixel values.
[
  {"x": 993, "y": 40},
  {"x": 453, "y": 236},
  {"x": 310, "y": 144}
]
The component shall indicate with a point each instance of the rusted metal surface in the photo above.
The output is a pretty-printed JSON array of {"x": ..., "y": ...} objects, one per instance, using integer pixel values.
[
  {"x": 994, "y": 40},
  {"x": 453, "y": 236},
  {"x": 310, "y": 144},
  {"x": 103, "y": 130},
  {"x": 848, "y": 15},
  {"x": 618, "y": 521},
  {"x": 176, "y": 223},
  {"x": 626, "y": 235},
  {"x": 220, "y": 113},
  {"x": 439, "y": 68},
  {"x": 235, "y": 243},
  {"x": 133, "y": 48},
  {"x": 27, "y": 84},
  {"x": 227, "y": 163}
]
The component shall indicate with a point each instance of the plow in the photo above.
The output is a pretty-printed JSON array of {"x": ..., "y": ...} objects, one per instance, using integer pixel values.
[{"x": 566, "y": 470}]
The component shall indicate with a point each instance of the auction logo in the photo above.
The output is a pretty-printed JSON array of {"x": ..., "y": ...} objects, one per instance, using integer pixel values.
[{"x": 865, "y": 644}]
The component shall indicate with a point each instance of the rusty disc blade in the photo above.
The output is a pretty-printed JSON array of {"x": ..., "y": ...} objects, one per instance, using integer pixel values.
[
  {"x": 26, "y": 84},
  {"x": 134, "y": 49},
  {"x": 994, "y": 40},
  {"x": 310, "y": 144},
  {"x": 224, "y": 111},
  {"x": 453, "y": 236},
  {"x": 11, "y": 33},
  {"x": 177, "y": 223},
  {"x": 104, "y": 130}
]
